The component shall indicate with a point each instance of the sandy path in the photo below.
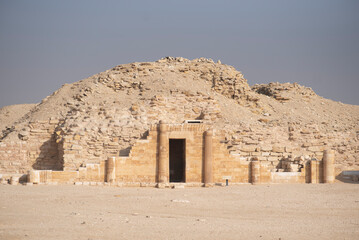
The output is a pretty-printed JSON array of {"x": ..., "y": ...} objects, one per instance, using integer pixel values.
[{"x": 236, "y": 212}]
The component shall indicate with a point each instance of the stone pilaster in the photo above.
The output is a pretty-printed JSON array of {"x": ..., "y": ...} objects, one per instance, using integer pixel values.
[
  {"x": 255, "y": 171},
  {"x": 163, "y": 161},
  {"x": 314, "y": 171},
  {"x": 111, "y": 169},
  {"x": 208, "y": 157}
]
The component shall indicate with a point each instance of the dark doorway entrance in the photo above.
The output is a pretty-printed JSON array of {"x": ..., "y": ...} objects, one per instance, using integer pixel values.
[{"x": 177, "y": 160}]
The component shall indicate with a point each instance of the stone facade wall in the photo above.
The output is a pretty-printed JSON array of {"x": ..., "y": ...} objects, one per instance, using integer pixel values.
[
  {"x": 141, "y": 166},
  {"x": 229, "y": 165},
  {"x": 42, "y": 151},
  {"x": 116, "y": 131},
  {"x": 36, "y": 148},
  {"x": 276, "y": 143},
  {"x": 14, "y": 157}
]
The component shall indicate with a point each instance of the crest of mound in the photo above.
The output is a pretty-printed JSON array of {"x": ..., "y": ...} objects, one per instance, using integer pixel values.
[
  {"x": 209, "y": 87},
  {"x": 168, "y": 74},
  {"x": 293, "y": 103}
]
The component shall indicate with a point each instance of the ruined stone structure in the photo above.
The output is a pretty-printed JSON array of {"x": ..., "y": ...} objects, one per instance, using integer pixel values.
[
  {"x": 175, "y": 120},
  {"x": 187, "y": 153}
]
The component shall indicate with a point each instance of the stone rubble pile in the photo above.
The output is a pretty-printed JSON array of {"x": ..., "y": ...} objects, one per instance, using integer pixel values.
[{"x": 283, "y": 91}]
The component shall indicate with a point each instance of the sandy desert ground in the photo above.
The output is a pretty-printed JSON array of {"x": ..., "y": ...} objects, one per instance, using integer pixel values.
[{"x": 305, "y": 211}]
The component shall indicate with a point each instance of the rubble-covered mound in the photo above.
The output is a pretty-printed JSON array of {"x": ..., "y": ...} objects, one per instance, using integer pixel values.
[{"x": 105, "y": 114}]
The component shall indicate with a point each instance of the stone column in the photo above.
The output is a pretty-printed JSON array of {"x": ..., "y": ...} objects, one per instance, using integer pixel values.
[
  {"x": 111, "y": 169},
  {"x": 328, "y": 166},
  {"x": 163, "y": 161},
  {"x": 256, "y": 171},
  {"x": 208, "y": 157},
  {"x": 314, "y": 171},
  {"x": 14, "y": 180},
  {"x": 33, "y": 177}
]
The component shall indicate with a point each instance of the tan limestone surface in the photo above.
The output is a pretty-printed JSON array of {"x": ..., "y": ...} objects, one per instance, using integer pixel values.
[
  {"x": 105, "y": 114},
  {"x": 299, "y": 211},
  {"x": 10, "y": 114}
]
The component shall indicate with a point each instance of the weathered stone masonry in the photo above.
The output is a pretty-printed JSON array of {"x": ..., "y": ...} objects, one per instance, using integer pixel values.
[
  {"x": 207, "y": 162},
  {"x": 243, "y": 137},
  {"x": 36, "y": 149}
]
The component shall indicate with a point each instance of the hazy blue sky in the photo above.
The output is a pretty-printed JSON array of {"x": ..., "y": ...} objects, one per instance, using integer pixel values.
[{"x": 44, "y": 44}]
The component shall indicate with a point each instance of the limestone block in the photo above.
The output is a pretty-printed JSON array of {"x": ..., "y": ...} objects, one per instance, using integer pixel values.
[
  {"x": 255, "y": 153},
  {"x": 82, "y": 173},
  {"x": 77, "y": 137},
  {"x": 45, "y": 176},
  {"x": 319, "y": 154},
  {"x": 266, "y": 148},
  {"x": 54, "y": 121},
  {"x": 316, "y": 148},
  {"x": 38, "y": 131},
  {"x": 288, "y": 149},
  {"x": 76, "y": 147},
  {"x": 248, "y": 148},
  {"x": 272, "y": 158},
  {"x": 278, "y": 149}
]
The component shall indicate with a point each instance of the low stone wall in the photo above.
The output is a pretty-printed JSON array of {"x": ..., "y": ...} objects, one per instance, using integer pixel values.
[
  {"x": 275, "y": 143},
  {"x": 142, "y": 163},
  {"x": 14, "y": 157},
  {"x": 241, "y": 173},
  {"x": 287, "y": 177}
]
